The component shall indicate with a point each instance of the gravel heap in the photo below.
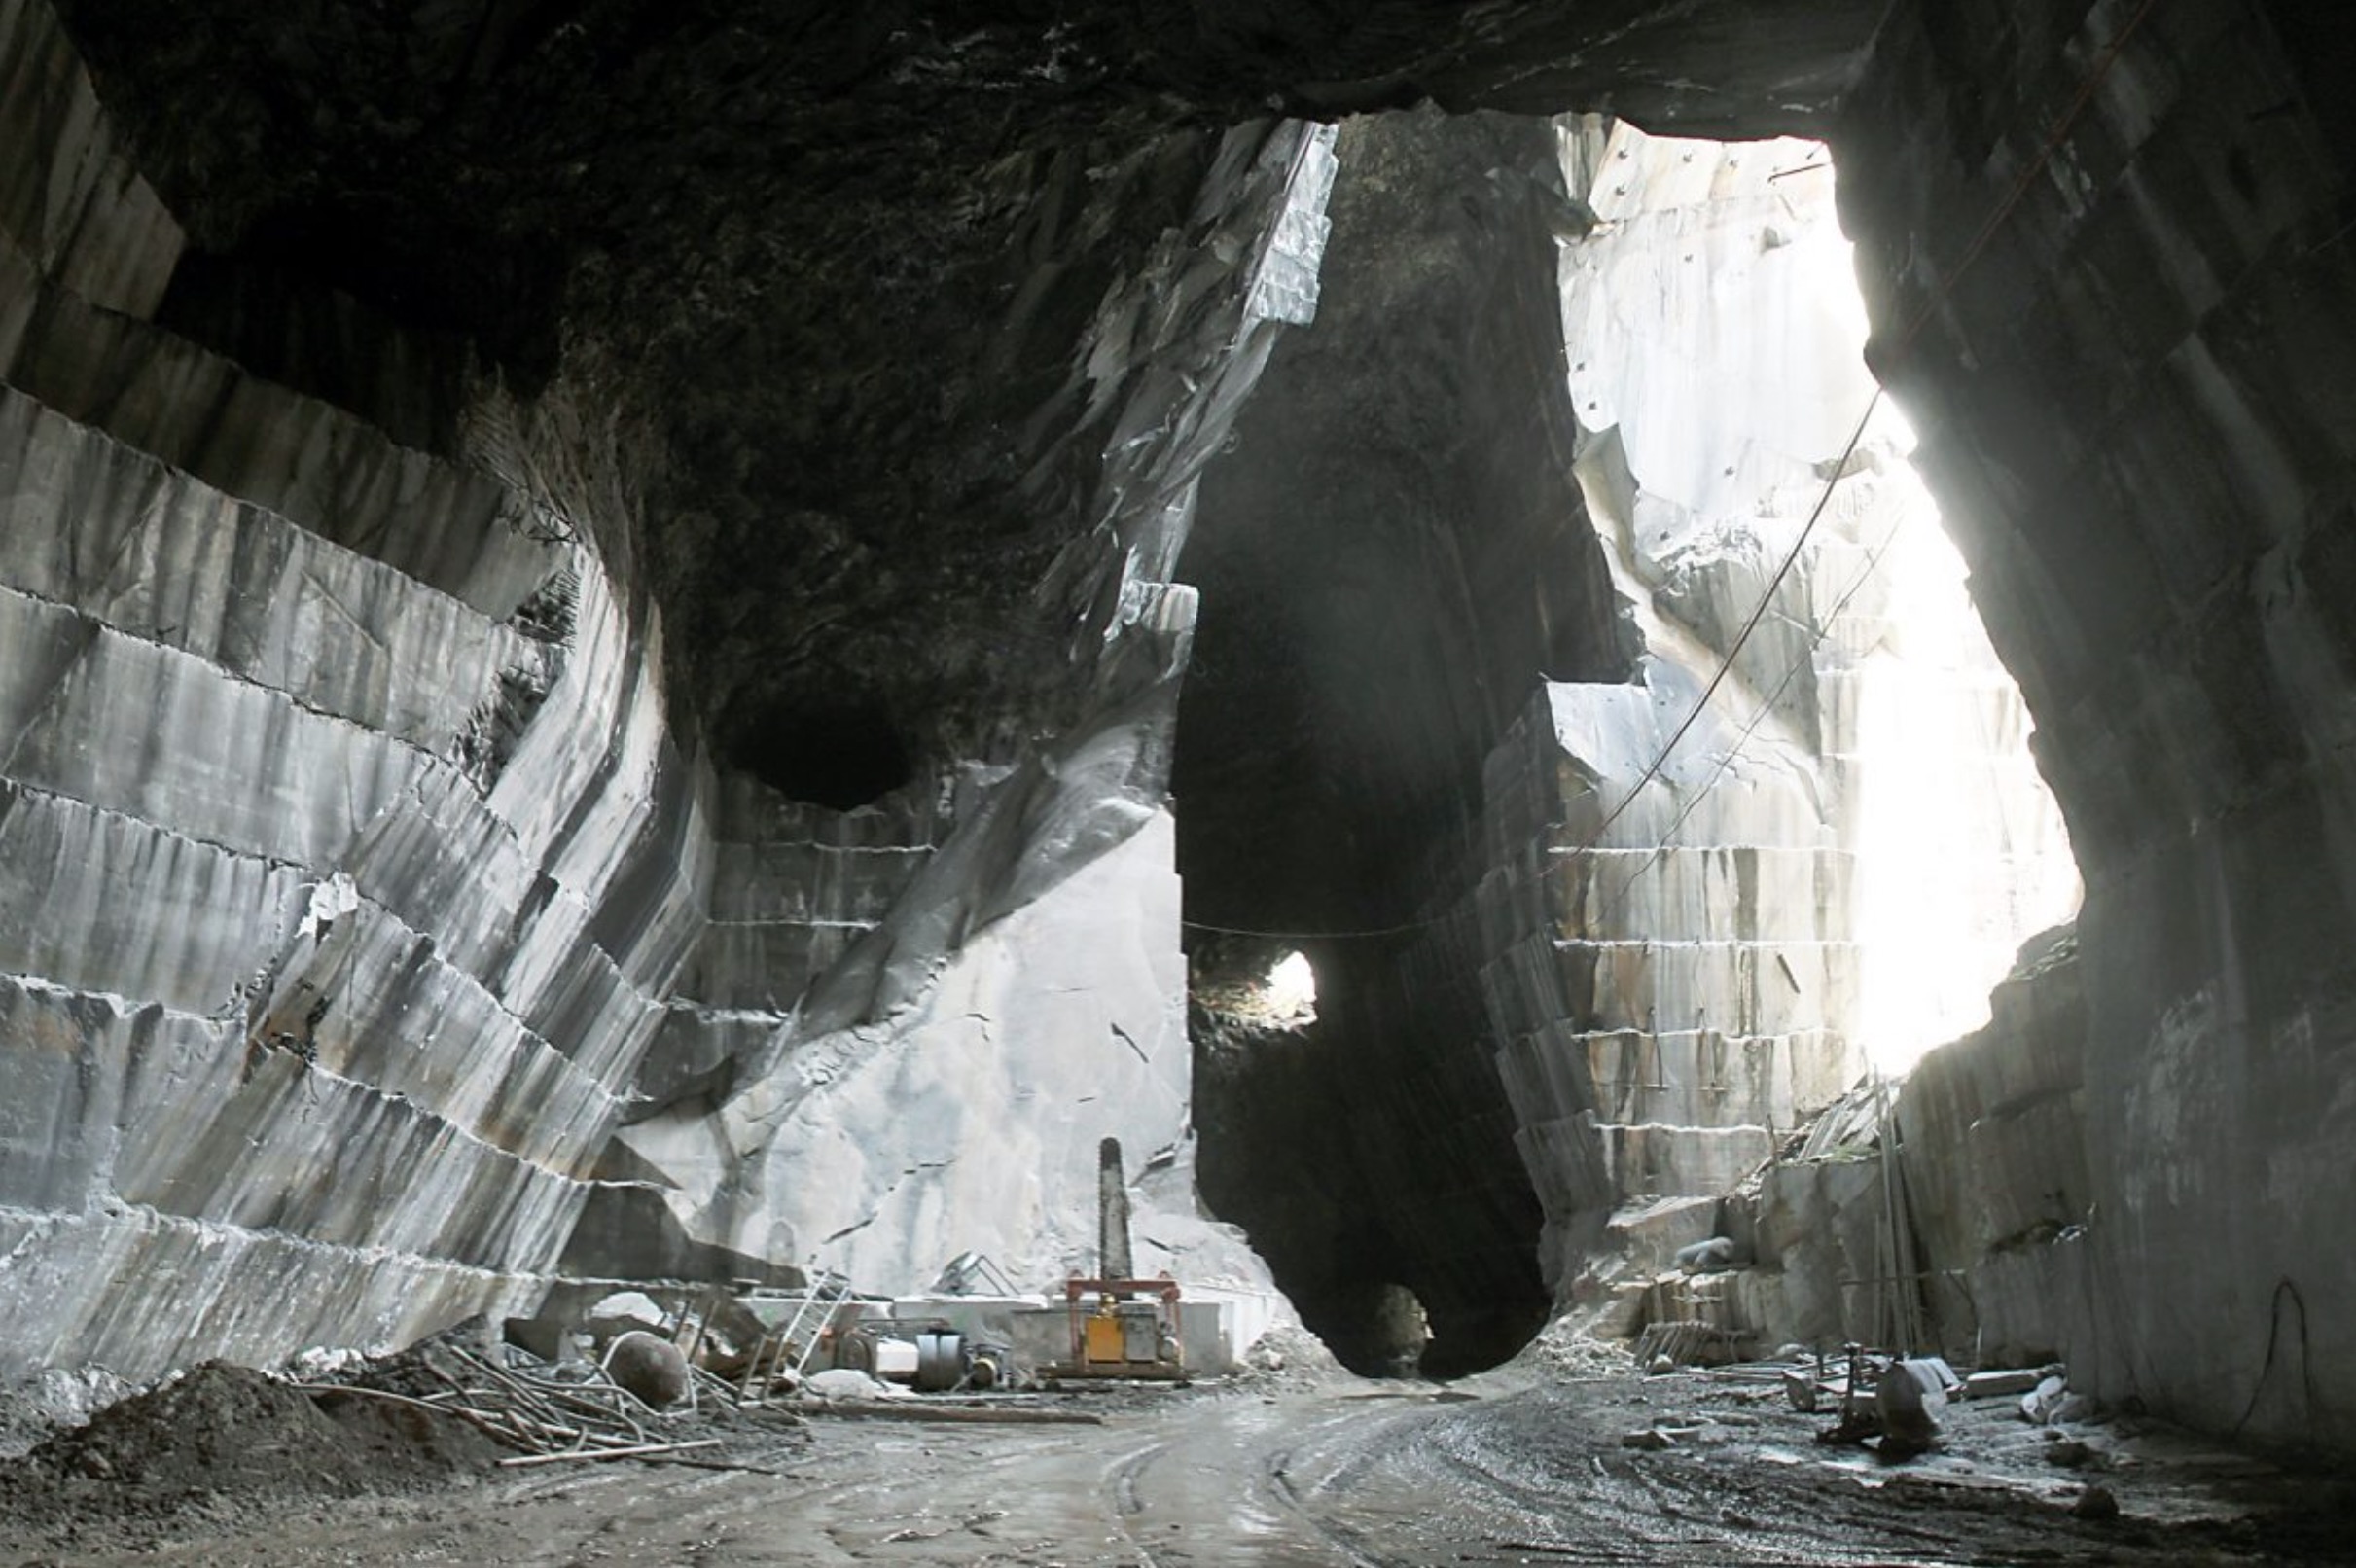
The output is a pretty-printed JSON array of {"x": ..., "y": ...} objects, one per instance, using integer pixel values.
[{"x": 219, "y": 1442}]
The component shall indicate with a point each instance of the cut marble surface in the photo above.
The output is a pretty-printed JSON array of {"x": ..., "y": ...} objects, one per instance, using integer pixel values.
[
  {"x": 970, "y": 1119},
  {"x": 70, "y": 197}
]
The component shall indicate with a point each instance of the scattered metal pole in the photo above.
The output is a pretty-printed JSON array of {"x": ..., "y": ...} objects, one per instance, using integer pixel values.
[{"x": 631, "y": 1452}]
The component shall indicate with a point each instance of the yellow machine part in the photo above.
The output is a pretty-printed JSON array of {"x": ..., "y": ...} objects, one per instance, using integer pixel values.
[{"x": 1103, "y": 1338}]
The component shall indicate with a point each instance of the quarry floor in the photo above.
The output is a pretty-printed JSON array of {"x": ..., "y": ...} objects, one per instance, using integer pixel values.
[{"x": 1517, "y": 1467}]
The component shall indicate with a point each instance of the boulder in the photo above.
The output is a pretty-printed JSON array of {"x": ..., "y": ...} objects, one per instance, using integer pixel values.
[{"x": 649, "y": 1367}]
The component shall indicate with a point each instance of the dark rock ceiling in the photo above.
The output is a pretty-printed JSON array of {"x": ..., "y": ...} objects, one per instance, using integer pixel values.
[
  {"x": 806, "y": 244},
  {"x": 1389, "y": 555},
  {"x": 1393, "y": 549}
]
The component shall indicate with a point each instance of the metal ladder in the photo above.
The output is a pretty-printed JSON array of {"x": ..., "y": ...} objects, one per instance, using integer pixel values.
[{"x": 821, "y": 1296}]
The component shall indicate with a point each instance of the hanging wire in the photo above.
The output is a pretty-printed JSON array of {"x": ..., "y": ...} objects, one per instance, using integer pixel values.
[
  {"x": 1702, "y": 704},
  {"x": 1315, "y": 936},
  {"x": 1940, "y": 294},
  {"x": 1726, "y": 759},
  {"x": 1921, "y": 318}
]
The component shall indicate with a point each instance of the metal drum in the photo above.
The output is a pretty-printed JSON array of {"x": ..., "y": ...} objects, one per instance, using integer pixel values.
[{"x": 939, "y": 1360}]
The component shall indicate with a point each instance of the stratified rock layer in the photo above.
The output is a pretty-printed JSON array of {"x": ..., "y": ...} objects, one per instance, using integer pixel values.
[
  {"x": 379, "y": 888},
  {"x": 892, "y": 295},
  {"x": 2136, "y": 411},
  {"x": 1715, "y": 887}
]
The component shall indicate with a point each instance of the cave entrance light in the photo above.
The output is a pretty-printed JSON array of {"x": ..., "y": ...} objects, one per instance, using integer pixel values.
[
  {"x": 1292, "y": 988},
  {"x": 1864, "y": 748}
]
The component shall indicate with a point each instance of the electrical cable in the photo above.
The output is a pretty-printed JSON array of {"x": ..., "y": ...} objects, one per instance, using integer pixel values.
[
  {"x": 1940, "y": 294},
  {"x": 1314, "y": 936},
  {"x": 2284, "y": 1286},
  {"x": 1652, "y": 770},
  {"x": 1766, "y": 601},
  {"x": 1945, "y": 288},
  {"x": 1726, "y": 759}
]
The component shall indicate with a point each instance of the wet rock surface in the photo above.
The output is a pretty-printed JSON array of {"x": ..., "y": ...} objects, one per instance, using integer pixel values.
[
  {"x": 843, "y": 258},
  {"x": 925, "y": 324},
  {"x": 1507, "y": 1469}
]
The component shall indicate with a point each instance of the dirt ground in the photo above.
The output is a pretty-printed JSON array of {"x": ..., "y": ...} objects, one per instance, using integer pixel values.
[{"x": 1517, "y": 1467}]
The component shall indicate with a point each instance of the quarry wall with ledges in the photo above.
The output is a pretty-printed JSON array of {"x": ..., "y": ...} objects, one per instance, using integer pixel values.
[{"x": 358, "y": 882}]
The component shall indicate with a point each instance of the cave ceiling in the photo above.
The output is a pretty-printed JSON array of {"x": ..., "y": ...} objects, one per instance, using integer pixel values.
[{"x": 834, "y": 260}]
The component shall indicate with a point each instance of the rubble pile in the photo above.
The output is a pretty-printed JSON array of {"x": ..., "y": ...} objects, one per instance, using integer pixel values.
[
  {"x": 1287, "y": 1356},
  {"x": 1567, "y": 1348},
  {"x": 222, "y": 1446},
  {"x": 32, "y": 1408},
  {"x": 220, "y": 1441},
  {"x": 541, "y": 1409}
]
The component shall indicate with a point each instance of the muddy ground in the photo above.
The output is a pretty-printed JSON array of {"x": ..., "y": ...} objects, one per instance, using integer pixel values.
[{"x": 1521, "y": 1466}]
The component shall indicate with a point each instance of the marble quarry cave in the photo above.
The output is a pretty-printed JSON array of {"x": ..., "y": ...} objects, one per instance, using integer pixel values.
[{"x": 694, "y": 643}]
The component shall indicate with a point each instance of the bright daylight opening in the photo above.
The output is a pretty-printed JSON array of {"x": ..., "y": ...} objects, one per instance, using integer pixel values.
[
  {"x": 1864, "y": 752},
  {"x": 1292, "y": 987}
]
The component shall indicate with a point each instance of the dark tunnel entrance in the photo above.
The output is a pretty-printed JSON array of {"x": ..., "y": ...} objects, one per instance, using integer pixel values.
[
  {"x": 1389, "y": 557},
  {"x": 1465, "y": 596}
]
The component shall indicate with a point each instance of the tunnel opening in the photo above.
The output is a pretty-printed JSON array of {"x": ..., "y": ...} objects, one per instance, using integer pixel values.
[
  {"x": 841, "y": 757},
  {"x": 1507, "y": 512}
]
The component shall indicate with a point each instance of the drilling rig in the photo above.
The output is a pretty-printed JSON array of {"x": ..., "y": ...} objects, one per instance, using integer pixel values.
[{"x": 1121, "y": 1326}]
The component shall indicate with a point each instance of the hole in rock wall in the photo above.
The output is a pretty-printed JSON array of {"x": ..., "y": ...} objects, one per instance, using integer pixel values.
[
  {"x": 1401, "y": 1330},
  {"x": 1292, "y": 987},
  {"x": 1253, "y": 982},
  {"x": 841, "y": 757},
  {"x": 1619, "y": 846}
]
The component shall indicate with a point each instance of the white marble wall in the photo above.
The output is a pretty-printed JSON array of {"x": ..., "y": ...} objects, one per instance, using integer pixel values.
[
  {"x": 1774, "y": 855},
  {"x": 345, "y": 913},
  {"x": 304, "y": 1032}
]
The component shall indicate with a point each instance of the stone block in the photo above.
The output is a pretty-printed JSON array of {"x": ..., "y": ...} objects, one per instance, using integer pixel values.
[
  {"x": 133, "y": 910},
  {"x": 1529, "y": 986},
  {"x": 812, "y": 881},
  {"x": 695, "y": 1045},
  {"x": 1545, "y": 1075},
  {"x": 81, "y": 1288},
  {"x": 1651, "y": 1232},
  {"x": 257, "y": 1140},
  {"x": 89, "y": 523},
  {"x": 594, "y": 1014},
  {"x": 1707, "y": 1078},
  {"x": 650, "y": 909},
  {"x": 1652, "y": 1159},
  {"x": 398, "y": 1018},
  {"x": 1684, "y": 893},
  {"x": 446, "y": 861},
  {"x": 1747, "y": 989},
  {"x": 73, "y": 1059},
  {"x": 157, "y": 735},
  {"x": 452, "y": 528},
  {"x": 597, "y": 731},
  {"x": 69, "y": 197},
  {"x": 1817, "y": 1228},
  {"x": 766, "y": 967},
  {"x": 1568, "y": 1165}
]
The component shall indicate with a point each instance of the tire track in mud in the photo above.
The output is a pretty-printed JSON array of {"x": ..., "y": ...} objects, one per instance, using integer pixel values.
[
  {"x": 1499, "y": 1486},
  {"x": 1325, "y": 1480},
  {"x": 1349, "y": 1542},
  {"x": 1217, "y": 1492},
  {"x": 1732, "y": 1500}
]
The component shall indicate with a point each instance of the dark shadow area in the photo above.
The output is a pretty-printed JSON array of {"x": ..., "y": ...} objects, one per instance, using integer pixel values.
[
  {"x": 1391, "y": 556},
  {"x": 841, "y": 757}
]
